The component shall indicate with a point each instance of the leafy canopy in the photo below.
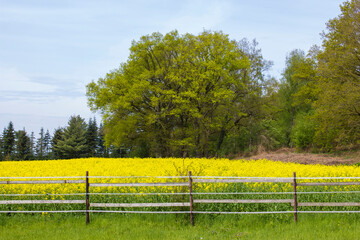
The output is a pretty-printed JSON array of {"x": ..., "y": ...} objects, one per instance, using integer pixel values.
[
  {"x": 175, "y": 93},
  {"x": 338, "y": 105}
]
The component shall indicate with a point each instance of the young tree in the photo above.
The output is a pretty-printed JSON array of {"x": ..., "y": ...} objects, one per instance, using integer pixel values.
[
  {"x": 47, "y": 144},
  {"x": 1, "y": 149},
  {"x": 9, "y": 141},
  {"x": 22, "y": 145},
  {"x": 32, "y": 145},
  {"x": 73, "y": 141},
  {"x": 91, "y": 137},
  {"x": 40, "y": 145},
  {"x": 102, "y": 150},
  {"x": 58, "y": 136}
]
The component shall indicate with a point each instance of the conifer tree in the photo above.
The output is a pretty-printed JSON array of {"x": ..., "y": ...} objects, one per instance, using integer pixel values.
[
  {"x": 40, "y": 145},
  {"x": 47, "y": 139},
  {"x": 22, "y": 145},
  {"x": 91, "y": 137},
  {"x": 58, "y": 135},
  {"x": 102, "y": 151},
  {"x": 9, "y": 141},
  {"x": 1, "y": 149},
  {"x": 32, "y": 145},
  {"x": 73, "y": 142}
]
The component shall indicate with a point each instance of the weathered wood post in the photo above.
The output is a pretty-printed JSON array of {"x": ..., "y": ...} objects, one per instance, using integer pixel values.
[
  {"x": 87, "y": 198},
  {"x": 295, "y": 198},
  {"x": 191, "y": 200}
]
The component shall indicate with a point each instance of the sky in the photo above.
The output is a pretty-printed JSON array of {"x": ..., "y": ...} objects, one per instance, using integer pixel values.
[{"x": 50, "y": 50}]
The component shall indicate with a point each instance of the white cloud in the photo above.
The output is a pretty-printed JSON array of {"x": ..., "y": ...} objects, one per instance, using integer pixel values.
[
  {"x": 59, "y": 106},
  {"x": 13, "y": 81}
]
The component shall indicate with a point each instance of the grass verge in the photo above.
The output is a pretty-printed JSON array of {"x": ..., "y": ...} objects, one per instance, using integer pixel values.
[{"x": 112, "y": 226}]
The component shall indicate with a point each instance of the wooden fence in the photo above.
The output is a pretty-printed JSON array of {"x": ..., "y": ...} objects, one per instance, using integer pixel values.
[{"x": 187, "y": 183}]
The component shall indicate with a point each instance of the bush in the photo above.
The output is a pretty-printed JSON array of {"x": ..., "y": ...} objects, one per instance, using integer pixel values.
[{"x": 303, "y": 132}]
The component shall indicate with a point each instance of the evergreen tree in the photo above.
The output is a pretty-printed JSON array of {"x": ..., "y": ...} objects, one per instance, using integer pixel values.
[
  {"x": 73, "y": 142},
  {"x": 102, "y": 151},
  {"x": 58, "y": 135},
  {"x": 9, "y": 141},
  {"x": 91, "y": 137},
  {"x": 40, "y": 145},
  {"x": 47, "y": 140},
  {"x": 22, "y": 145},
  {"x": 32, "y": 145},
  {"x": 1, "y": 149}
]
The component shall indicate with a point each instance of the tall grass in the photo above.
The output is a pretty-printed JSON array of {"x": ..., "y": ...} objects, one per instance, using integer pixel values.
[{"x": 115, "y": 226}]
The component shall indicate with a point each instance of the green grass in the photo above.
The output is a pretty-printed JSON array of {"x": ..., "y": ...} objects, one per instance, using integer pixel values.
[{"x": 113, "y": 226}]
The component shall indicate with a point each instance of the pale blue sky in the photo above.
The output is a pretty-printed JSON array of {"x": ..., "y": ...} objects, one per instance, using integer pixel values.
[{"x": 50, "y": 50}]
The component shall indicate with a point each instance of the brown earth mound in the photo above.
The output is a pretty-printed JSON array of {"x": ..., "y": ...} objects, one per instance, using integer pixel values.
[{"x": 289, "y": 155}]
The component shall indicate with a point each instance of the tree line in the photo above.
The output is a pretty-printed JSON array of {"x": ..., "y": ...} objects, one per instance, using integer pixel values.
[
  {"x": 207, "y": 95},
  {"x": 78, "y": 139}
]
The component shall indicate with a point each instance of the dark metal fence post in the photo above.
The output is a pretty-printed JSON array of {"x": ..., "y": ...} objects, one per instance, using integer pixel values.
[
  {"x": 191, "y": 200},
  {"x": 87, "y": 198},
  {"x": 295, "y": 198}
]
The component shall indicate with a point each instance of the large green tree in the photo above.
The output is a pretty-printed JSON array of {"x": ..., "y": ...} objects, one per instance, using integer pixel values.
[
  {"x": 252, "y": 129},
  {"x": 174, "y": 94},
  {"x": 338, "y": 106},
  {"x": 297, "y": 93}
]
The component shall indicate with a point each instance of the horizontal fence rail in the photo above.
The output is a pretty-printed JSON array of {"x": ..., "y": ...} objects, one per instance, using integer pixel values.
[
  {"x": 137, "y": 184},
  {"x": 182, "y": 204},
  {"x": 278, "y": 180},
  {"x": 42, "y": 202},
  {"x": 43, "y": 182},
  {"x": 243, "y": 201},
  {"x": 186, "y": 185}
]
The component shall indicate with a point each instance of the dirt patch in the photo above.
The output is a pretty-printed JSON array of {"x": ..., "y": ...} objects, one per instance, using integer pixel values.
[{"x": 289, "y": 155}]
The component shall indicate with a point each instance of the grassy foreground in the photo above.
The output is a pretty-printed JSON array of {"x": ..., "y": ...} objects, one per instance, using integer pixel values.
[{"x": 327, "y": 226}]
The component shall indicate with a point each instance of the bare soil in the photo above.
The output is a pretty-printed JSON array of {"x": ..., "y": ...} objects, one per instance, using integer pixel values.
[{"x": 290, "y": 155}]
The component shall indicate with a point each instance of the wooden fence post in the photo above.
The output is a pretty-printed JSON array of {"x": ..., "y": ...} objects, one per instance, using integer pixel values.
[
  {"x": 295, "y": 198},
  {"x": 191, "y": 200},
  {"x": 87, "y": 198}
]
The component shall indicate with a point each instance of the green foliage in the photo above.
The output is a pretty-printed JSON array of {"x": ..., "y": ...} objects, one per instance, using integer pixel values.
[
  {"x": 72, "y": 143},
  {"x": 91, "y": 138},
  {"x": 58, "y": 136},
  {"x": 1, "y": 149},
  {"x": 47, "y": 140},
  {"x": 102, "y": 150},
  {"x": 8, "y": 142},
  {"x": 23, "y": 151},
  {"x": 297, "y": 93},
  {"x": 338, "y": 105},
  {"x": 40, "y": 145},
  {"x": 303, "y": 132},
  {"x": 289, "y": 88},
  {"x": 176, "y": 92}
]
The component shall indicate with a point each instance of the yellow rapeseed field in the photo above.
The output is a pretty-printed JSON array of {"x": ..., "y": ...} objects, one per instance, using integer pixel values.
[
  {"x": 170, "y": 167},
  {"x": 156, "y": 167}
]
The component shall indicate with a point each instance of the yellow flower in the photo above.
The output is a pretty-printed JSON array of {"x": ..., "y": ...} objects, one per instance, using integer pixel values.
[{"x": 152, "y": 167}]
